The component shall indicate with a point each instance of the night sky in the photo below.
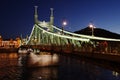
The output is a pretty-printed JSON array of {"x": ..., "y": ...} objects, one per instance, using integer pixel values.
[{"x": 17, "y": 16}]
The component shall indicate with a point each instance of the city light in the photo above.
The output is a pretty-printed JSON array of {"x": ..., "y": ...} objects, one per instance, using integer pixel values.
[
  {"x": 64, "y": 23},
  {"x": 91, "y": 26}
]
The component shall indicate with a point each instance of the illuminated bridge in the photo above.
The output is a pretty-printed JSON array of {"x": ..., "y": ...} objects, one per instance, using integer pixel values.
[{"x": 50, "y": 36}]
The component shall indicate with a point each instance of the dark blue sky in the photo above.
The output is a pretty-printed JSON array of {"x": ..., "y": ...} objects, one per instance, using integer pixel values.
[{"x": 17, "y": 16}]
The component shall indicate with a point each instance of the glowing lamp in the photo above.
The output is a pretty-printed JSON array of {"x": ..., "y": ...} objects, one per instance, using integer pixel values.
[
  {"x": 91, "y": 26},
  {"x": 64, "y": 23}
]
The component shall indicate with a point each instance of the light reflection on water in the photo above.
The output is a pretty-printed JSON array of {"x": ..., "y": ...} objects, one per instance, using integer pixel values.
[
  {"x": 43, "y": 73},
  {"x": 43, "y": 59},
  {"x": 8, "y": 67},
  {"x": 69, "y": 69}
]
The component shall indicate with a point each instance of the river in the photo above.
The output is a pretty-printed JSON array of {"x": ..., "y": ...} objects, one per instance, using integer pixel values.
[{"x": 68, "y": 68}]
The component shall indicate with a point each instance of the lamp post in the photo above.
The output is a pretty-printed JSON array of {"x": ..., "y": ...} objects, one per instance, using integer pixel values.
[
  {"x": 64, "y": 23},
  {"x": 92, "y": 27}
]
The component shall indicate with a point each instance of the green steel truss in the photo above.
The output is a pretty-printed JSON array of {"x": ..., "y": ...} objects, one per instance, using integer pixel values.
[
  {"x": 45, "y": 34},
  {"x": 42, "y": 35}
]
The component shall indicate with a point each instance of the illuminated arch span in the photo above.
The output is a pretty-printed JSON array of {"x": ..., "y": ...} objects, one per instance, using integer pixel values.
[{"x": 42, "y": 35}]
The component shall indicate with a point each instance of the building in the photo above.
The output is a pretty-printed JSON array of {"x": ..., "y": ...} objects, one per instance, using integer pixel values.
[{"x": 10, "y": 43}]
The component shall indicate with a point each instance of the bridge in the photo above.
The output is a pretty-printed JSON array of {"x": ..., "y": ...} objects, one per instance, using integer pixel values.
[{"x": 46, "y": 36}]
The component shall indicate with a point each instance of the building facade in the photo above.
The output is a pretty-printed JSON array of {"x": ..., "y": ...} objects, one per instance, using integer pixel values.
[{"x": 10, "y": 43}]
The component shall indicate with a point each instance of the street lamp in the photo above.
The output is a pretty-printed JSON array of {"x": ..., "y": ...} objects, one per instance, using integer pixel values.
[
  {"x": 92, "y": 27},
  {"x": 64, "y": 23}
]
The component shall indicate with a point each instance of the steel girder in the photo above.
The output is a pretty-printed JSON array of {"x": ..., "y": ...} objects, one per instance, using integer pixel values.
[{"x": 41, "y": 35}]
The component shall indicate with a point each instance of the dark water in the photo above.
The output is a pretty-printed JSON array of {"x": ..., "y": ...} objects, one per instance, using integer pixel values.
[{"x": 70, "y": 68}]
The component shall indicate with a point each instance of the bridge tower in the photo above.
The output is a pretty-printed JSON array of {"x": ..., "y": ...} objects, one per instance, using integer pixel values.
[
  {"x": 36, "y": 15},
  {"x": 51, "y": 20}
]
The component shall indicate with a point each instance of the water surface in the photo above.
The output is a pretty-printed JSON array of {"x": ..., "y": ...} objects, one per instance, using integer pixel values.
[{"x": 69, "y": 68}]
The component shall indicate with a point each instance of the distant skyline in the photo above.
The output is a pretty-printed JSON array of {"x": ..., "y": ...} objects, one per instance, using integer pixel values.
[{"x": 17, "y": 17}]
